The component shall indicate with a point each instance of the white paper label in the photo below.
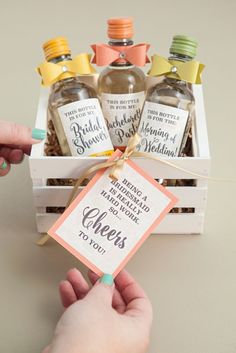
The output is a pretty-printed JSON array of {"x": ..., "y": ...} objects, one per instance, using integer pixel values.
[
  {"x": 122, "y": 113},
  {"x": 162, "y": 128},
  {"x": 109, "y": 220},
  {"x": 85, "y": 127}
]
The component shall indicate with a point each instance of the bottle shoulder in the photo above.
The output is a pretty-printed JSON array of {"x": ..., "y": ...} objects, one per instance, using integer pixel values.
[
  {"x": 121, "y": 80},
  {"x": 68, "y": 91},
  {"x": 176, "y": 89}
]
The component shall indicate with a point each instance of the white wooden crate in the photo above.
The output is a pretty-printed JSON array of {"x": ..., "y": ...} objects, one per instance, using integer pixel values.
[{"x": 43, "y": 167}]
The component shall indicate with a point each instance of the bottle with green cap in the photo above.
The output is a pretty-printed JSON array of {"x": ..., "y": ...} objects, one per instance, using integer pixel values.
[{"x": 169, "y": 105}]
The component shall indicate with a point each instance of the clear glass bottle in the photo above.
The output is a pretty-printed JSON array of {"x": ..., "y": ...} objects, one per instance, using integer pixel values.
[
  {"x": 75, "y": 109},
  {"x": 169, "y": 107},
  {"x": 121, "y": 87}
]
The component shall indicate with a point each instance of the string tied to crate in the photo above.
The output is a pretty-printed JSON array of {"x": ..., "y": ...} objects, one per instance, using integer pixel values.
[{"x": 117, "y": 165}]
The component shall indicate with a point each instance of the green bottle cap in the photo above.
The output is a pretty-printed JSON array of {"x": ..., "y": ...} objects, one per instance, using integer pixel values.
[{"x": 183, "y": 45}]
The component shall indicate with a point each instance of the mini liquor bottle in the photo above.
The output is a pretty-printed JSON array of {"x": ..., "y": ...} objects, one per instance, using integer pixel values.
[
  {"x": 169, "y": 106},
  {"x": 75, "y": 109},
  {"x": 121, "y": 85}
]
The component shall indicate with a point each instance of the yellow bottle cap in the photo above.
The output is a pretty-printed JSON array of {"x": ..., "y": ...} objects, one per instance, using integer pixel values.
[{"x": 56, "y": 47}]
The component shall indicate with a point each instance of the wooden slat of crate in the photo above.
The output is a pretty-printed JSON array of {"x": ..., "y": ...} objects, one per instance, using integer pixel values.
[{"x": 58, "y": 195}]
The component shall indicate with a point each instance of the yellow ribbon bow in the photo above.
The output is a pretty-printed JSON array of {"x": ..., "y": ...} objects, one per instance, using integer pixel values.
[
  {"x": 51, "y": 72},
  {"x": 189, "y": 71}
]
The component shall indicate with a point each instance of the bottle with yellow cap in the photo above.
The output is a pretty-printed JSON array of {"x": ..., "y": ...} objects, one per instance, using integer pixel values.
[
  {"x": 121, "y": 84},
  {"x": 74, "y": 108},
  {"x": 168, "y": 110}
]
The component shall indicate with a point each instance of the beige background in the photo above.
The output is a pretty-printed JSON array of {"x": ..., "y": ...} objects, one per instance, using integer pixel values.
[{"x": 191, "y": 280}]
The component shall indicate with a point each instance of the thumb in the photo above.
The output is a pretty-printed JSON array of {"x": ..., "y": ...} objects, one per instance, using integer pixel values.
[
  {"x": 46, "y": 349},
  {"x": 12, "y": 133},
  {"x": 102, "y": 291}
]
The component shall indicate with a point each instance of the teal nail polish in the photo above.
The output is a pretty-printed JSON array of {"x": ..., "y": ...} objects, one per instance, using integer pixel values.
[
  {"x": 39, "y": 134},
  {"x": 107, "y": 279},
  {"x": 4, "y": 165}
]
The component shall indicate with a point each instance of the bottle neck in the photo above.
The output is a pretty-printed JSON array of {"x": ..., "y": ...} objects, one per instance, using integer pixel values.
[
  {"x": 60, "y": 58},
  {"x": 182, "y": 58},
  {"x": 65, "y": 75},
  {"x": 121, "y": 43}
]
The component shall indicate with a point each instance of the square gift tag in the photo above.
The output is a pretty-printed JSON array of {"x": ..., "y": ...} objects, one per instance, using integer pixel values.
[{"x": 109, "y": 220}]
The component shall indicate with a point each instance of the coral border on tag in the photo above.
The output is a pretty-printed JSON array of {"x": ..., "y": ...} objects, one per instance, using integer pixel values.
[{"x": 82, "y": 194}]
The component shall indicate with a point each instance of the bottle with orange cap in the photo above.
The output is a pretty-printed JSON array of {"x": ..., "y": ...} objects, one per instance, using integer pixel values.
[
  {"x": 121, "y": 85},
  {"x": 74, "y": 107}
]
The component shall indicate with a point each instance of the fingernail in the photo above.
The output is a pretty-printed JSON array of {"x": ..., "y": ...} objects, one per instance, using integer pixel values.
[
  {"x": 39, "y": 134},
  {"x": 75, "y": 269},
  {"x": 107, "y": 279},
  {"x": 3, "y": 165}
]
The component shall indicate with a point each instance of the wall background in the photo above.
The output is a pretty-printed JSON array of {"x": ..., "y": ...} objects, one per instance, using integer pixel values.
[{"x": 191, "y": 280}]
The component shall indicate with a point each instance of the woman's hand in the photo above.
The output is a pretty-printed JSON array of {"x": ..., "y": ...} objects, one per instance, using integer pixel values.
[
  {"x": 104, "y": 319},
  {"x": 15, "y": 141}
]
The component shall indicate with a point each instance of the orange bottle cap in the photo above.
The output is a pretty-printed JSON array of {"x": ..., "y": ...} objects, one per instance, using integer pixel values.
[
  {"x": 56, "y": 47},
  {"x": 120, "y": 28}
]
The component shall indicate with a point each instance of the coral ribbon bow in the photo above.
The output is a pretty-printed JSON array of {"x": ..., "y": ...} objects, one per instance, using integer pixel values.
[
  {"x": 52, "y": 72},
  {"x": 106, "y": 54},
  {"x": 189, "y": 71}
]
